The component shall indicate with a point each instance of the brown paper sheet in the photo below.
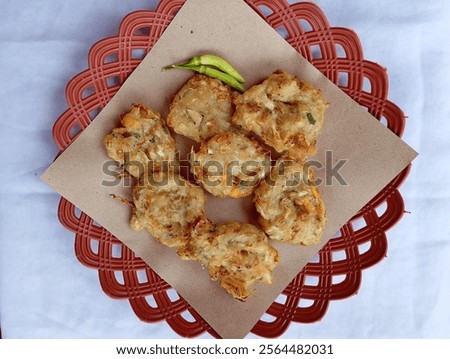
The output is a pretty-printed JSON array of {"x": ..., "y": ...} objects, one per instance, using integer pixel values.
[{"x": 233, "y": 30}]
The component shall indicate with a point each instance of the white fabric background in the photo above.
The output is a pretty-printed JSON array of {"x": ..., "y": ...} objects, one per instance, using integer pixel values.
[{"x": 46, "y": 293}]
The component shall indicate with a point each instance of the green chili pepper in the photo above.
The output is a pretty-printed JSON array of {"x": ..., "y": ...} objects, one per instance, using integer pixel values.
[
  {"x": 213, "y": 66},
  {"x": 218, "y": 62},
  {"x": 211, "y": 72},
  {"x": 311, "y": 119}
]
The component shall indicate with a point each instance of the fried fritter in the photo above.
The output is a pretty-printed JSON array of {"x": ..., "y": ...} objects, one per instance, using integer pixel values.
[
  {"x": 236, "y": 254},
  {"x": 230, "y": 165},
  {"x": 289, "y": 205},
  {"x": 143, "y": 143},
  {"x": 167, "y": 206},
  {"x": 202, "y": 108},
  {"x": 284, "y": 111}
]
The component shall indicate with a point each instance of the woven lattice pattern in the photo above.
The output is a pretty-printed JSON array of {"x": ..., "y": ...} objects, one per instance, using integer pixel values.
[{"x": 336, "y": 272}]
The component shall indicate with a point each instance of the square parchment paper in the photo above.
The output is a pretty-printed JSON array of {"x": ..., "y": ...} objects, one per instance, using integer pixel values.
[{"x": 230, "y": 29}]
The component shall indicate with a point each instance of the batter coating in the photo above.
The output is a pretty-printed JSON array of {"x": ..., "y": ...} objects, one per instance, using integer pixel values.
[
  {"x": 144, "y": 142},
  {"x": 235, "y": 254},
  {"x": 202, "y": 108},
  {"x": 289, "y": 206},
  {"x": 167, "y": 206},
  {"x": 230, "y": 165},
  {"x": 284, "y": 111}
]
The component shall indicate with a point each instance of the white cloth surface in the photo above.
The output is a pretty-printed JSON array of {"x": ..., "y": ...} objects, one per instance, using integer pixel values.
[{"x": 46, "y": 293}]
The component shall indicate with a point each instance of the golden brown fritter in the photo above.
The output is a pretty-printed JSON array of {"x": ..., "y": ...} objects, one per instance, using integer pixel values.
[
  {"x": 284, "y": 111},
  {"x": 235, "y": 254},
  {"x": 230, "y": 165},
  {"x": 290, "y": 207},
  {"x": 143, "y": 143},
  {"x": 167, "y": 206},
  {"x": 202, "y": 108}
]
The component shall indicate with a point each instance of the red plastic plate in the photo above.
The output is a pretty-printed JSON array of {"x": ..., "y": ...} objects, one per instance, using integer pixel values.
[{"x": 336, "y": 272}]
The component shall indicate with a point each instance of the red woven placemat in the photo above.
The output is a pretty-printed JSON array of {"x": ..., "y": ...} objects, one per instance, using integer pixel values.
[{"x": 336, "y": 272}]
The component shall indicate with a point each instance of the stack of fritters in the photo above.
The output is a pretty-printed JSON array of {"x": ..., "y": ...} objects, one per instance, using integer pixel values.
[{"x": 236, "y": 135}]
